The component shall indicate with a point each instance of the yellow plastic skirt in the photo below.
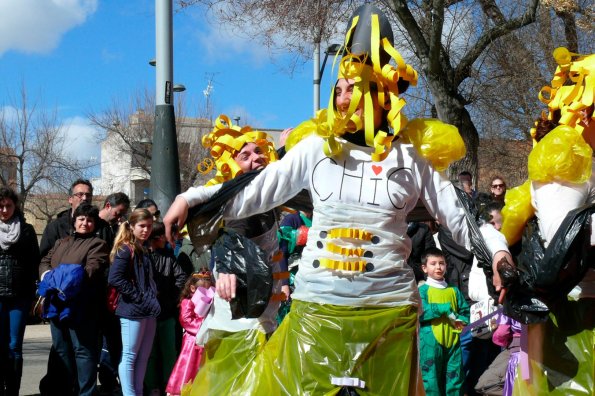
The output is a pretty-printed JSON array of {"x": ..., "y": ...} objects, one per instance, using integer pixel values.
[
  {"x": 314, "y": 343},
  {"x": 562, "y": 353},
  {"x": 228, "y": 359}
]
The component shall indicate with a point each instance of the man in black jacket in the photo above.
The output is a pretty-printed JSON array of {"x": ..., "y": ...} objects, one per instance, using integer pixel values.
[{"x": 115, "y": 207}]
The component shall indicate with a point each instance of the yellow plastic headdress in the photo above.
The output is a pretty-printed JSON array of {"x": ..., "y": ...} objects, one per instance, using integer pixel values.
[
  {"x": 367, "y": 51},
  {"x": 572, "y": 88},
  {"x": 562, "y": 155},
  {"x": 225, "y": 141}
]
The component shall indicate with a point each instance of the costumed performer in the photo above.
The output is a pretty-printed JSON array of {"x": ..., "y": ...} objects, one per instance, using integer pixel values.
[
  {"x": 232, "y": 341},
  {"x": 355, "y": 306},
  {"x": 561, "y": 179}
]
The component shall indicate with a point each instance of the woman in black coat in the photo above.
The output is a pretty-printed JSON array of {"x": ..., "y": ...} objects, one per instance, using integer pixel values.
[{"x": 19, "y": 258}]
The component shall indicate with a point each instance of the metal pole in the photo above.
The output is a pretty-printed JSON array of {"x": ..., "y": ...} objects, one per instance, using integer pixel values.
[
  {"x": 165, "y": 166},
  {"x": 316, "y": 77}
]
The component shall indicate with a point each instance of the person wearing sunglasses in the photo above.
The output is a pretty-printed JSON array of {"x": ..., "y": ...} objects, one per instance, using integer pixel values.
[
  {"x": 498, "y": 189},
  {"x": 151, "y": 206}
]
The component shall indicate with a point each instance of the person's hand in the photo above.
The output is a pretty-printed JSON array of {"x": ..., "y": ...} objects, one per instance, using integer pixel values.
[
  {"x": 459, "y": 325},
  {"x": 284, "y": 135},
  {"x": 502, "y": 262},
  {"x": 285, "y": 290},
  {"x": 226, "y": 286},
  {"x": 175, "y": 218}
]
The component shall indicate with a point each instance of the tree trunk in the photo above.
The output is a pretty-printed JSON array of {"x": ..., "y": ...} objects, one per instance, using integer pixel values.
[{"x": 451, "y": 109}]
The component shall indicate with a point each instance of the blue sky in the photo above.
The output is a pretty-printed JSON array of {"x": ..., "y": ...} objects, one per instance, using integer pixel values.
[{"x": 80, "y": 55}]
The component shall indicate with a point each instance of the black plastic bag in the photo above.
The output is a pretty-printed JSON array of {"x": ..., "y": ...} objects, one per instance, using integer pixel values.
[
  {"x": 478, "y": 246},
  {"x": 547, "y": 275},
  {"x": 235, "y": 254}
]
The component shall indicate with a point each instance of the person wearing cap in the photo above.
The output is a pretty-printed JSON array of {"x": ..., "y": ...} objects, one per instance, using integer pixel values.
[{"x": 355, "y": 305}]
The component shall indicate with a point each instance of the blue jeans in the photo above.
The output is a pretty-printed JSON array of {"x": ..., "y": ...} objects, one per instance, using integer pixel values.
[
  {"x": 137, "y": 341},
  {"x": 13, "y": 318},
  {"x": 77, "y": 347}
]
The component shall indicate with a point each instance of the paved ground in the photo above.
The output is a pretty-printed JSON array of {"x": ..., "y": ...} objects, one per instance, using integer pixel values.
[{"x": 36, "y": 349}]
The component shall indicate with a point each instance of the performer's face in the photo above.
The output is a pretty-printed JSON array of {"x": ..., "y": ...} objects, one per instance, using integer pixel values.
[
  {"x": 343, "y": 93},
  {"x": 250, "y": 158},
  {"x": 435, "y": 267}
]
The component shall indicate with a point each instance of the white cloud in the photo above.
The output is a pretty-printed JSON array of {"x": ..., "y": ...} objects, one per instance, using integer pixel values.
[
  {"x": 36, "y": 26},
  {"x": 81, "y": 140},
  {"x": 222, "y": 44}
]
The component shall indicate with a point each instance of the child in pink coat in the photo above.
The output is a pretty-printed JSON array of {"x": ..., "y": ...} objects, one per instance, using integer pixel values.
[{"x": 192, "y": 313}]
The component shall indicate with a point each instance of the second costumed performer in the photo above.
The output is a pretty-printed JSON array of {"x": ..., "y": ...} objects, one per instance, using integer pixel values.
[
  {"x": 232, "y": 339},
  {"x": 353, "y": 322},
  {"x": 557, "y": 264}
]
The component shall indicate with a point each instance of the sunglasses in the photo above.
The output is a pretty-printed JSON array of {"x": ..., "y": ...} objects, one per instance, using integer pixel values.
[{"x": 498, "y": 185}]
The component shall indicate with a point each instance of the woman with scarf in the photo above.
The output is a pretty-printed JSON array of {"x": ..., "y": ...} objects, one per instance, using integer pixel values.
[{"x": 19, "y": 258}]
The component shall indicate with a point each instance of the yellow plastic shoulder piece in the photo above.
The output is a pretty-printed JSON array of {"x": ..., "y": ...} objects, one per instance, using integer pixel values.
[
  {"x": 438, "y": 142},
  {"x": 562, "y": 155},
  {"x": 516, "y": 212}
]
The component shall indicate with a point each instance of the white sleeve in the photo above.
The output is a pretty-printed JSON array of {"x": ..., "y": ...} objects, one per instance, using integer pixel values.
[
  {"x": 439, "y": 197},
  {"x": 275, "y": 185},
  {"x": 553, "y": 201},
  {"x": 197, "y": 195},
  {"x": 441, "y": 200},
  {"x": 494, "y": 239}
]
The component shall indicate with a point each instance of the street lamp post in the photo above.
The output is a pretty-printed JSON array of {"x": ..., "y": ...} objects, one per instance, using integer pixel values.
[
  {"x": 165, "y": 166},
  {"x": 317, "y": 77},
  {"x": 332, "y": 49}
]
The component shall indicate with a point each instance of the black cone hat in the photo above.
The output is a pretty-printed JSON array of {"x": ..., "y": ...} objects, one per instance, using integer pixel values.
[{"x": 360, "y": 41}]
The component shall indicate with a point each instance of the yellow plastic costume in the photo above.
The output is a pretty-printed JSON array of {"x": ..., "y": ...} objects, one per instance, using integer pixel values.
[
  {"x": 353, "y": 321},
  {"x": 562, "y": 155},
  {"x": 561, "y": 354},
  {"x": 232, "y": 345}
]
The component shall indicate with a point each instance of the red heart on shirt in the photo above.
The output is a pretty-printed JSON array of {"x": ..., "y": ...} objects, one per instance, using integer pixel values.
[{"x": 377, "y": 169}]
